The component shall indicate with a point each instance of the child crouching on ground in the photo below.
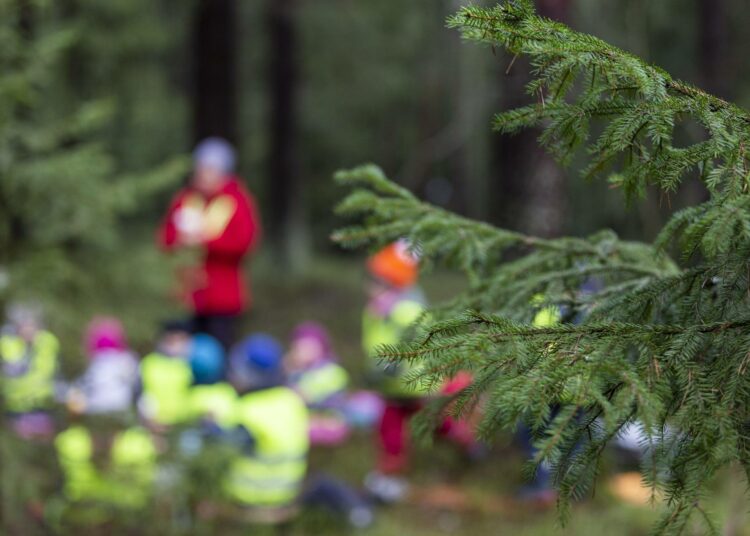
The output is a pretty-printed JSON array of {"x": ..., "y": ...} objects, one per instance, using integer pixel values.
[
  {"x": 29, "y": 360},
  {"x": 108, "y": 461},
  {"x": 314, "y": 373},
  {"x": 268, "y": 476},
  {"x": 166, "y": 378},
  {"x": 111, "y": 378},
  {"x": 395, "y": 303}
]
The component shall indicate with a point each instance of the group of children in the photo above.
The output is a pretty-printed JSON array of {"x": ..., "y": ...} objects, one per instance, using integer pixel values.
[
  {"x": 124, "y": 414},
  {"x": 261, "y": 406}
]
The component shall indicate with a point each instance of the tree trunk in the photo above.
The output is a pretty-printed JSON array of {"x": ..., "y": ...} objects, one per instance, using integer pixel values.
[
  {"x": 713, "y": 46},
  {"x": 555, "y": 9},
  {"x": 287, "y": 228},
  {"x": 25, "y": 19},
  {"x": 215, "y": 73},
  {"x": 528, "y": 191},
  {"x": 714, "y": 75}
]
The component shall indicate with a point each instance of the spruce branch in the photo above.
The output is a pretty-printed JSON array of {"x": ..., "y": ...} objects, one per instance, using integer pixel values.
[{"x": 644, "y": 340}]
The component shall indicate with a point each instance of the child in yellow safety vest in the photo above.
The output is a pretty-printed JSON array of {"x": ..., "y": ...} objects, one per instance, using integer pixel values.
[
  {"x": 314, "y": 373},
  {"x": 28, "y": 367},
  {"x": 212, "y": 400},
  {"x": 202, "y": 453},
  {"x": 395, "y": 303},
  {"x": 108, "y": 467},
  {"x": 272, "y": 422},
  {"x": 166, "y": 378},
  {"x": 113, "y": 470},
  {"x": 272, "y": 430},
  {"x": 539, "y": 491}
]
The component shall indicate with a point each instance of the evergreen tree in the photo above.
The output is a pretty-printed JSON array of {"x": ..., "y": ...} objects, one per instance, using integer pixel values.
[
  {"x": 62, "y": 204},
  {"x": 137, "y": 54},
  {"x": 62, "y": 197},
  {"x": 645, "y": 338}
]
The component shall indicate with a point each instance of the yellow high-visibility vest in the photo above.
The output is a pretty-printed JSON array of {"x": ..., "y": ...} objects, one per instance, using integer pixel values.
[
  {"x": 166, "y": 389},
  {"x": 272, "y": 476},
  {"x": 546, "y": 317},
  {"x": 33, "y": 387},
  {"x": 550, "y": 316},
  {"x": 128, "y": 480},
  {"x": 321, "y": 383},
  {"x": 377, "y": 331},
  {"x": 217, "y": 401}
]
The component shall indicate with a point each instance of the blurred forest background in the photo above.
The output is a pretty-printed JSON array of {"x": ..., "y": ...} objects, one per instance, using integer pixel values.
[{"x": 101, "y": 103}]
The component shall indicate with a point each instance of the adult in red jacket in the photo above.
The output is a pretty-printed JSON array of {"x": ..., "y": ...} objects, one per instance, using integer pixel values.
[{"x": 216, "y": 215}]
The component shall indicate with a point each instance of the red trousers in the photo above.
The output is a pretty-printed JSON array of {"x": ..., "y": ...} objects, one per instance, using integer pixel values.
[{"x": 393, "y": 434}]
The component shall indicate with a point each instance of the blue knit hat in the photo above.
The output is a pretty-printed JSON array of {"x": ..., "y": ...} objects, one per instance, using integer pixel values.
[
  {"x": 263, "y": 352},
  {"x": 215, "y": 152},
  {"x": 206, "y": 359},
  {"x": 256, "y": 362}
]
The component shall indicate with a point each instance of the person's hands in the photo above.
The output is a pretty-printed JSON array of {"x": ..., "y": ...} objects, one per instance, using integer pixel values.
[{"x": 190, "y": 224}]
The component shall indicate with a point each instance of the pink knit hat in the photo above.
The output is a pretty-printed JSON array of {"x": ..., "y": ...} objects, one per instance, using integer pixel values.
[
  {"x": 315, "y": 331},
  {"x": 105, "y": 333}
]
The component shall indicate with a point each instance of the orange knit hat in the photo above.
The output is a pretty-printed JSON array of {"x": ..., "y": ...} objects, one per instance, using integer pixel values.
[{"x": 395, "y": 265}]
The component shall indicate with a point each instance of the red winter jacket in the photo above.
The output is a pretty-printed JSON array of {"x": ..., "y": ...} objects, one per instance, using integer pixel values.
[{"x": 217, "y": 287}]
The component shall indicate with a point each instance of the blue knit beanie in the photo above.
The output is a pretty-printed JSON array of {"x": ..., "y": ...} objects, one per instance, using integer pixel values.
[
  {"x": 215, "y": 152},
  {"x": 255, "y": 363}
]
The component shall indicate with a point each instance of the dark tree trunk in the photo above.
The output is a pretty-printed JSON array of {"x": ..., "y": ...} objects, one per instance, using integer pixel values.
[
  {"x": 286, "y": 199},
  {"x": 528, "y": 191},
  {"x": 555, "y": 9},
  {"x": 713, "y": 46},
  {"x": 714, "y": 71},
  {"x": 26, "y": 19},
  {"x": 215, "y": 75}
]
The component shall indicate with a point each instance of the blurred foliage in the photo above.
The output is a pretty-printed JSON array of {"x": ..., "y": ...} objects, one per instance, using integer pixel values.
[
  {"x": 64, "y": 191},
  {"x": 379, "y": 81},
  {"x": 134, "y": 52}
]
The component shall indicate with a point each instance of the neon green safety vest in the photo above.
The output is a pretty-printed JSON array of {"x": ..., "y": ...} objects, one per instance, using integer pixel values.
[
  {"x": 377, "y": 331},
  {"x": 320, "y": 383},
  {"x": 550, "y": 316},
  {"x": 166, "y": 389},
  {"x": 33, "y": 387},
  {"x": 128, "y": 479},
  {"x": 272, "y": 476},
  {"x": 217, "y": 401},
  {"x": 546, "y": 315}
]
